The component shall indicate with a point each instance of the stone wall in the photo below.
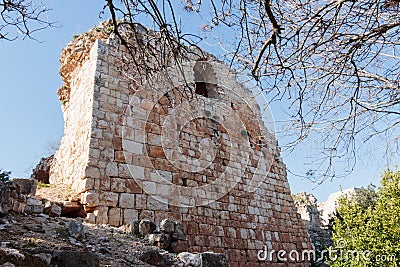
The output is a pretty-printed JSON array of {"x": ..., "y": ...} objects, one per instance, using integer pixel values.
[
  {"x": 70, "y": 162},
  {"x": 319, "y": 231},
  {"x": 17, "y": 195},
  {"x": 162, "y": 151},
  {"x": 307, "y": 207}
]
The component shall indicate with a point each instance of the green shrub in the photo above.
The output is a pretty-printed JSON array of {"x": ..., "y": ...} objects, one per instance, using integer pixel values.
[{"x": 368, "y": 225}]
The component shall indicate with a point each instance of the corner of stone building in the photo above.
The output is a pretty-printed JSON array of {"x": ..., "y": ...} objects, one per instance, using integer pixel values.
[{"x": 72, "y": 162}]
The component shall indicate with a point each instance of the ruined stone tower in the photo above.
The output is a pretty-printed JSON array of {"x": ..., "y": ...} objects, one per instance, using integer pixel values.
[{"x": 152, "y": 151}]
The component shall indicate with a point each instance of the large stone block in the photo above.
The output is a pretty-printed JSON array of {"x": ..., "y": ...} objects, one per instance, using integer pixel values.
[
  {"x": 130, "y": 215},
  {"x": 25, "y": 186},
  {"x": 118, "y": 185},
  {"x": 115, "y": 216},
  {"x": 101, "y": 214},
  {"x": 76, "y": 230},
  {"x": 126, "y": 200}
]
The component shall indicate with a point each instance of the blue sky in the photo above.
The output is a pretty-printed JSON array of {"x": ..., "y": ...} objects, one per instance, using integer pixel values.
[{"x": 30, "y": 112}]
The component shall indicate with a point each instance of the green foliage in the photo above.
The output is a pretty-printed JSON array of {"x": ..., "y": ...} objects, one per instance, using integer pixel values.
[
  {"x": 109, "y": 29},
  {"x": 42, "y": 185},
  {"x": 4, "y": 176},
  {"x": 366, "y": 197},
  {"x": 366, "y": 230}
]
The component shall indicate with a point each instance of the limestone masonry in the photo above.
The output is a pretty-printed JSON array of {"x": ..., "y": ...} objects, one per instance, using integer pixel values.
[{"x": 200, "y": 157}]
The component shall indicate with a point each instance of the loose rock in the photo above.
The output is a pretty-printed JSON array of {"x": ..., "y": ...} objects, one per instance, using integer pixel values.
[
  {"x": 33, "y": 206},
  {"x": 167, "y": 226},
  {"x": 131, "y": 228},
  {"x": 146, "y": 227},
  {"x": 75, "y": 258},
  {"x": 155, "y": 258},
  {"x": 55, "y": 211},
  {"x": 190, "y": 259},
  {"x": 25, "y": 186},
  {"x": 12, "y": 256},
  {"x": 163, "y": 241},
  {"x": 76, "y": 230},
  {"x": 178, "y": 233},
  {"x": 52, "y": 209}
]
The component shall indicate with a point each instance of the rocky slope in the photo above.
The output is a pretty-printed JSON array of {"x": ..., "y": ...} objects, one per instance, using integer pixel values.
[{"x": 33, "y": 233}]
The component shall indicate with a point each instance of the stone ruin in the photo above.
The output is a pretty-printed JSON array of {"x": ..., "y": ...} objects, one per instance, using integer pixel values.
[
  {"x": 317, "y": 217},
  {"x": 319, "y": 231},
  {"x": 200, "y": 157}
]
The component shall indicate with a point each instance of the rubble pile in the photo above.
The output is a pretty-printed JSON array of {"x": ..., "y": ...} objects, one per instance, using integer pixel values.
[{"x": 33, "y": 232}]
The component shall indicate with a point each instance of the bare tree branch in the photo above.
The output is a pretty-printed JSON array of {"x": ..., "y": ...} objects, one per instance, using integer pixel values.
[
  {"x": 334, "y": 64},
  {"x": 20, "y": 17}
]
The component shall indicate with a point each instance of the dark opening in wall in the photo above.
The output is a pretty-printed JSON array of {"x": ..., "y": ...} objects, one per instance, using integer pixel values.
[
  {"x": 205, "y": 79},
  {"x": 201, "y": 89}
]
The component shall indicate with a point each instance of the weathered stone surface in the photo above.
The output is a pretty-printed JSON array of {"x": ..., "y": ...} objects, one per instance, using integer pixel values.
[
  {"x": 327, "y": 209},
  {"x": 154, "y": 257},
  {"x": 22, "y": 258},
  {"x": 36, "y": 227},
  {"x": 75, "y": 258},
  {"x": 131, "y": 228},
  {"x": 52, "y": 209},
  {"x": 33, "y": 201},
  {"x": 163, "y": 241},
  {"x": 8, "y": 264},
  {"x": 37, "y": 260},
  {"x": 12, "y": 256},
  {"x": 25, "y": 186},
  {"x": 42, "y": 170},
  {"x": 307, "y": 207},
  {"x": 130, "y": 215},
  {"x": 115, "y": 216},
  {"x": 178, "y": 233},
  {"x": 127, "y": 200},
  {"x": 5, "y": 203},
  {"x": 135, "y": 227},
  {"x": 18, "y": 207},
  {"x": 167, "y": 226},
  {"x": 146, "y": 227},
  {"x": 33, "y": 206},
  {"x": 210, "y": 259},
  {"x": 76, "y": 230},
  {"x": 190, "y": 259},
  {"x": 55, "y": 211},
  {"x": 178, "y": 246}
]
